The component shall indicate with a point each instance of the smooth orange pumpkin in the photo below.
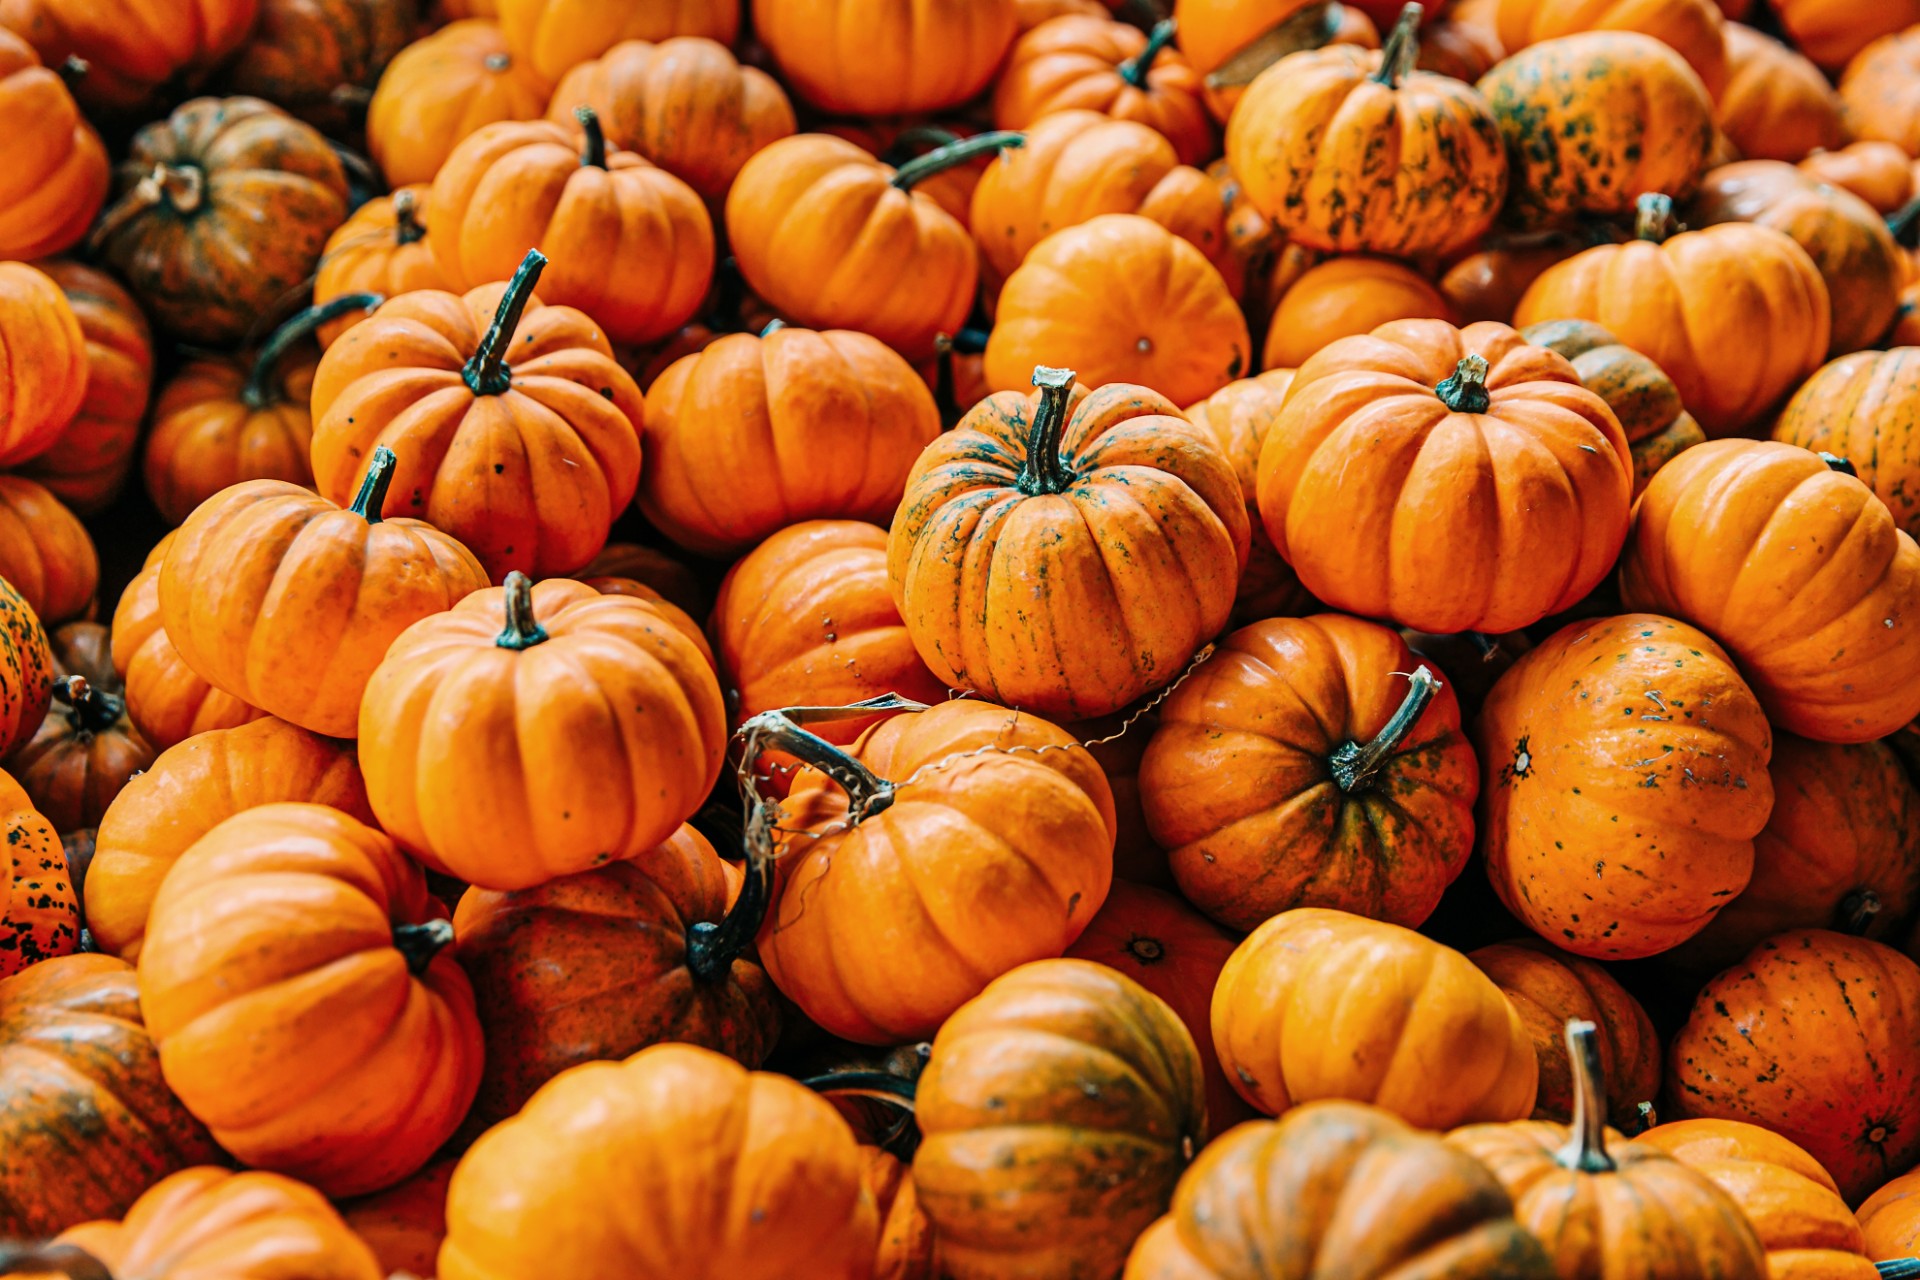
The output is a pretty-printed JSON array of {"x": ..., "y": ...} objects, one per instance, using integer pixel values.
[
  {"x": 40, "y": 912},
  {"x": 380, "y": 250},
  {"x": 57, "y": 179},
  {"x": 882, "y": 57},
  {"x": 1344, "y": 297},
  {"x": 1888, "y": 1219},
  {"x": 1881, "y": 173},
  {"x": 555, "y": 36},
  {"x": 1232, "y": 41},
  {"x": 1776, "y": 104},
  {"x": 46, "y": 362},
  {"x": 441, "y": 88},
  {"x": 1111, "y": 67},
  {"x": 906, "y": 1246},
  {"x": 1878, "y": 89},
  {"x": 1865, "y": 407},
  {"x": 1832, "y": 32},
  {"x": 45, "y": 552}
]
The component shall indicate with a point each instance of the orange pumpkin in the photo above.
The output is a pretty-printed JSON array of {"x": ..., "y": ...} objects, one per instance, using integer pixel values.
[
  {"x": 1776, "y": 104},
  {"x": 1230, "y": 42},
  {"x": 1888, "y": 1219},
  {"x": 1879, "y": 90},
  {"x": 906, "y": 1249},
  {"x": 320, "y": 59},
  {"x": 675, "y": 581},
  {"x": 1865, "y": 407},
  {"x": 132, "y": 48},
  {"x": 1488, "y": 284},
  {"x": 896, "y": 143},
  {"x": 1833, "y": 32},
  {"x": 45, "y": 552},
  {"x": 82, "y": 756},
  {"x": 1691, "y": 28},
  {"x": 1113, "y": 68},
  {"x": 58, "y": 179},
  {"x": 555, "y": 36},
  {"x": 1342, "y": 298},
  {"x": 39, "y": 912},
  {"x": 1881, "y": 173},
  {"x": 405, "y": 1224},
  {"x": 1025, "y": 607},
  {"x": 1462, "y": 49},
  {"x": 884, "y": 58},
  {"x": 1638, "y": 391},
  {"x": 380, "y": 250},
  {"x": 46, "y": 363},
  {"x": 441, "y": 88},
  {"x": 525, "y": 462},
  {"x": 26, "y": 669}
]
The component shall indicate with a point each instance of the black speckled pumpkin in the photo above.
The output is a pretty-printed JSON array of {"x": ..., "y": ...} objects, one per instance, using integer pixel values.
[
  {"x": 39, "y": 911},
  {"x": 26, "y": 670}
]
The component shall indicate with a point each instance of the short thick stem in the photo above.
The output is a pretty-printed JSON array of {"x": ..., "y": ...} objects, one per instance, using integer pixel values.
[
  {"x": 1586, "y": 1149},
  {"x": 1354, "y": 765},
  {"x": 487, "y": 373},
  {"x": 72, "y": 70},
  {"x": 953, "y": 156},
  {"x": 916, "y": 140},
  {"x": 593, "y": 153},
  {"x": 89, "y": 710},
  {"x": 51, "y": 1259},
  {"x": 372, "y": 498},
  {"x": 1858, "y": 909},
  {"x": 407, "y": 228},
  {"x": 1402, "y": 48},
  {"x": 1836, "y": 463},
  {"x": 1044, "y": 470},
  {"x": 261, "y": 391},
  {"x": 1466, "y": 391},
  {"x": 420, "y": 943},
  {"x": 712, "y": 948},
  {"x": 1653, "y": 217},
  {"x": 1903, "y": 224},
  {"x": 523, "y": 630},
  {"x": 1134, "y": 70},
  {"x": 867, "y": 792}
]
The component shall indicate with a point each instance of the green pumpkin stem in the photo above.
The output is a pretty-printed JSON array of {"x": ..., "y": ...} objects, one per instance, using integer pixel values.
[
  {"x": 954, "y": 155},
  {"x": 407, "y": 228},
  {"x": 420, "y": 943},
  {"x": 1903, "y": 224},
  {"x": 1586, "y": 1149},
  {"x": 89, "y": 710},
  {"x": 883, "y": 1086},
  {"x": 712, "y": 948},
  {"x": 1899, "y": 1269},
  {"x": 523, "y": 630},
  {"x": 594, "y": 154},
  {"x": 260, "y": 391},
  {"x": 372, "y": 498},
  {"x": 1044, "y": 470},
  {"x": 1653, "y": 218},
  {"x": 1402, "y": 48},
  {"x": 1837, "y": 463},
  {"x": 914, "y": 139},
  {"x": 72, "y": 70},
  {"x": 487, "y": 373},
  {"x": 1354, "y": 764},
  {"x": 1134, "y": 70},
  {"x": 1466, "y": 390},
  {"x": 1857, "y": 911},
  {"x": 867, "y": 792},
  {"x": 774, "y": 326},
  {"x": 51, "y": 1259}
]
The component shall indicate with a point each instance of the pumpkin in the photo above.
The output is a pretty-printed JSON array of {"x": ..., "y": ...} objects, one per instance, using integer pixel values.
[
  {"x": 1833, "y": 32},
  {"x": 131, "y": 47},
  {"x": 630, "y": 245},
  {"x": 1638, "y": 391},
  {"x": 987, "y": 829},
  {"x": 1452, "y": 420},
  {"x": 82, "y": 756},
  {"x": 1691, "y": 28},
  {"x": 834, "y": 238},
  {"x": 906, "y": 1248},
  {"x": 1342, "y": 298},
  {"x": 1319, "y": 1004},
  {"x": 1021, "y": 1079},
  {"x": 525, "y": 463},
  {"x": 881, "y": 57},
  {"x": 896, "y": 143},
  {"x": 1605, "y": 1207},
  {"x": 188, "y": 791},
  {"x": 454, "y": 776},
  {"x": 785, "y": 1187},
  {"x": 220, "y": 214},
  {"x": 555, "y": 36},
  {"x": 1600, "y": 751},
  {"x": 380, "y": 250},
  {"x": 45, "y": 552},
  {"x": 1549, "y": 988},
  {"x": 1887, "y": 1219},
  {"x": 1158, "y": 941},
  {"x": 46, "y": 363},
  {"x": 87, "y": 464},
  {"x": 998, "y": 555},
  {"x": 40, "y": 912},
  {"x": 1835, "y": 1016},
  {"x": 405, "y": 1224},
  {"x": 1880, "y": 173},
  {"x": 1878, "y": 90},
  {"x": 1296, "y": 768},
  {"x": 441, "y": 88},
  {"x": 755, "y": 434},
  {"x": 1356, "y": 152},
  {"x": 1230, "y": 42},
  {"x": 1117, "y": 743},
  {"x": 1859, "y": 407},
  {"x": 1113, "y": 68},
  {"x": 674, "y": 581},
  {"x": 684, "y": 104},
  {"x": 1737, "y": 315},
  {"x": 1488, "y": 284},
  {"x": 26, "y": 670},
  {"x": 82, "y": 1083},
  {"x": 1593, "y": 120},
  {"x": 311, "y": 936},
  {"x": 1031, "y": 13},
  {"x": 320, "y": 59},
  {"x": 1821, "y": 616},
  {"x": 59, "y": 177},
  {"x": 1386, "y": 1200},
  {"x": 1459, "y": 49},
  {"x": 1776, "y": 105},
  {"x": 84, "y": 649},
  {"x": 1792, "y": 1202}
]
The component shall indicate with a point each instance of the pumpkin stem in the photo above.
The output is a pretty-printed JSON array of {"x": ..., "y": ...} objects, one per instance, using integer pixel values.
[
  {"x": 1858, "y": 909},
  {"x": 497, "y": 62},
  {"x": 712, "y": 948},
  {"x": 1044, "y": 470},
  {"x": 867, "y": 792},
  {"x": 487, "y": 374},
  {"x": 1836, "y": 463},
  {"x": 1134, "y": 70},
  {"x": 406, "y": 219},
  {"x": 774, "y": 326},
  {"x": 1311, "y": 28},
  {"x": 72, "y": 70},
  {"x": 372, "y": 498},
  {"x": 953, "y": 155},
  {"x": 522, "y": 631},
  {"x": 1466, "y": 390},
  {"x": 946, "y": 390},
  {"x": 1586, "y": 1149},
  {"x": 1903, "y": 224},
  {"x": 420, "y": 943},
  {"x": 89, "y": 710},
  {"x": 51, "y": 1259},
  {"x": 260, "y": 392},
  {"x": 908, "y": 143},
  {"x": 594, "y": 154},
  {"x": 1892, "y": 1269},
  {"x": 883, "y": 1086},
  {"x": 1643, "y": 1119},
  {"x": 1354, "y": 765},
  {"x": 1402, "y": 48},
  {"x": 182, "y": 186},
  {"x": 1653, "y": 217}
]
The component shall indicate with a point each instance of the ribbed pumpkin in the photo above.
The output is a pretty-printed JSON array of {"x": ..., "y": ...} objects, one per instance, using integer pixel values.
[
  {"x": 1453, "y": 420},
  {"x": 898, "y": 142},
  {"x": 46, "y": 363},
  {"x": 405, "y": 1224},
  {"x": 1832, "y": 32},
  {"x": 1232, "y": 41},
  {"x": 516, "y": 431},
  {"x": 220, "y": 216},
  {"x": 1813, "y": 1036},
  {"x": 1105, "y": 65},
  {"x": 312, "y": 937},
  {"x": 1889, "y": 1221},
  {"x": 1311, "y": 762},
  {"x": 1488, "y": 284},
  {"x": 555, "y": 36},
  {"x": 685, "y": 104},
  {"x": 1790, "y": 562},
  {"x": 754, "y": 434},
  {"x": 1057, "y": 1112},
  {"x": 1624, "y": 780},
  {"x": 906, "y": 1249},
  {"x": 80, "y": 1081},
  {"x": 45, "y": 552},
  {"x": 1353, "y": 151},
  {"x": 58, "y": 177},
  {"x": 1345, "y": 297},
  {"x": 882, "y": 57},
  {"x": 1322, "y": 1004},
  {"x": 782, "y": 1196},
  {"x": 999, "y": 554},
  {"x": 83, "y": 754},
  {"x": 1594, "y": 120},
  {"x": 1878, "y": 88},
  {"x": 1638, "y": 391},
  {"x": 26, "y": 669},
  {"x": 39, "y": 911},
  {"x": 87, "y": 464},
  {"x": 320, "y": 59},
  {"x": 1691, "y": 28},
  {"x": 1881, "y": 173},
  {"x": 441, "y": 88},
  {"x": 380, "y": 250},
  {"x": 676, "y": 582},
  {"x": 1865, "y": 407},
  {"x": 132, "y": 47},
  {"x": 1776, "y": 105},
  {"x": 1735, "y": 314}
]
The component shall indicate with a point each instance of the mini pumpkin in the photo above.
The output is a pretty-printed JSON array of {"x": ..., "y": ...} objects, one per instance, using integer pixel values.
[
  {"x": 58, "y": 179},
  {"x": 1691, "y": 28},
  {"x": 45, "y": 552},
  {"x": 46, "y": 362},
  {"x": 1864, "y": 407},
  {"x": 555, "y": 36},
  {"x": 26, "y": 670},
  {"x": 674, "y": 580},
  {"x": 1639, "y": 392},
  {"x": 381, "y": 250},
  {"x": 132, "y": 48},
  {"x": 906, "y": 1249},
  {"x": 1888, "y": 1221},
  {"x": 1457, "y": 47},
  {"x": 1881, "y": 173},
  {"x": 320, "y": 59},
  {"x": 1878, "y": 89},
  {"x": 82, "y": 756},
  {"x": 881, "y": 58},
  {"x": 1776, "y": 105},
  {"x": 1230, "y": 42},
  {"x": 1488, "y": 284},
  {"x": 1105, "y": 65},
  {"x": 1344, "y": 297},
  {"x": 441, "y": 88},
  {"x": 1832, "y": 32},
  {"x": 39, "y": 912},
  {"x": 405, "y": 1224}
]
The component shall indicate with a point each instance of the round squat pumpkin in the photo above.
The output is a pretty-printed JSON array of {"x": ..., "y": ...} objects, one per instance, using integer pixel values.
[
  {"x": 1691, "y": 28},
  {"x": 1865, "y": 407},
  {"x": 1102, "y": 64},
  {"x": 1345, "y": 297},
  {"x": 1888, "y": 1219},
  {"x": 132, "y": 48},
  {"x": 46, "y": 362},
  {"x": 40, "y": 910},
  {"x": 45, "y": 552},
  {"x": 1832, "y": 32},
  {"x": 57, "y": 179},
  {"x": 1638, "y": 391},
  {"x": 441, "y": 88},
  {"x": 1776, "y": 104},
  {"x": 884, "y": 58},
  {"x": 381, "y": 250},
  {"x": 1881, "y": 173},
  {"x": 1878, "y": 88},
  {"x": 554, "y": 36},
  {"x": 82, "y": 756}
]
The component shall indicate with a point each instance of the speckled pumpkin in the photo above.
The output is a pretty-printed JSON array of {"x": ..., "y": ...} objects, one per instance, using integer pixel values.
[
  {"x": 26, "y": 669},
  {"x": 1865, "y": 407},
  {"x": 1638, "y": 391},
  {"x": 884, "y": 57},
  {"x": 382, "y": 249},
  {"x": 1114, "y": 68},
  {"x": 45, "y": 552},
  {"x": 1776, "y": 105},
  {"x": 320, "y": 59},
  {"x": 39, "y": 912},
  {"x": 441, "y": 88}
]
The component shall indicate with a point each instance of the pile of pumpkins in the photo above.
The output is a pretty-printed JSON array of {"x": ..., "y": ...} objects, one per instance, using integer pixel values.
[{"x": 963, "y": 639}]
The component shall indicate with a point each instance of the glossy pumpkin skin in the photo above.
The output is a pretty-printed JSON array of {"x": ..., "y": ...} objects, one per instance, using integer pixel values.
[
  {"x": 1878, "y": 89},
  {"x": 83, "y": 754},
  {"x": 1345, "y": 297},
  {"x": 59, "y": 177},
  {"x": 457, "y": 773},
  {"x": 241, "y": 202},
  {"x": 881, "y": 57},
  {"x": 1572, "y": 743},
  {"x": 40, "y": 912},
  {"x": 281, "y": 925},
  {"x": 45, "y": 552},
  {"x": 1422, "y": 536},
  {"x": 405, "y": 1224},
  {"x": 132, "y": 47},
  {"x": 684, "y": 103},
  {"x": 755, "y": 434},
  {"x": 1638, "y": 391},
  {"x": 26, "y": 670},
  {"x": 166, "y": 700},
  {"x": 1888, "y": 1219},
  {"x": 211, "y": 431},
  {"x": 192, "y": 788},
  {"x": 81, "y": 1081},
  {"x": 555, "y": 36},
  {"x": 1833, "y": 33},
  {"x": 1881, "y": 173},
  {"x": 381, "y": 249},
  {"x": 1322, "y": 1004},
  {"x": 1834, "y": 1014},
  {"x": 1824, "y": 621},
  {"x": 1865, "y": 407},
  {"x": 972, "y": 547},
  {"x": 1548, "y": 987},
  {"x": 530, "y": 478},
  {"x": 1691, "y": 28},
  {"x": 320, "y": 59},
  {"x": 47, "y": 362},
  {"x": 1019, "y": 1078},
  {"x": 1776, "y": 105},
  {"x": 88, "y": 462},
  {"x": 543, "y": 1193},
  {"x": 1386, "y": 1200},
  {"x": 441, "y": 88},
  {"x": 1595, "y": 120}
]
